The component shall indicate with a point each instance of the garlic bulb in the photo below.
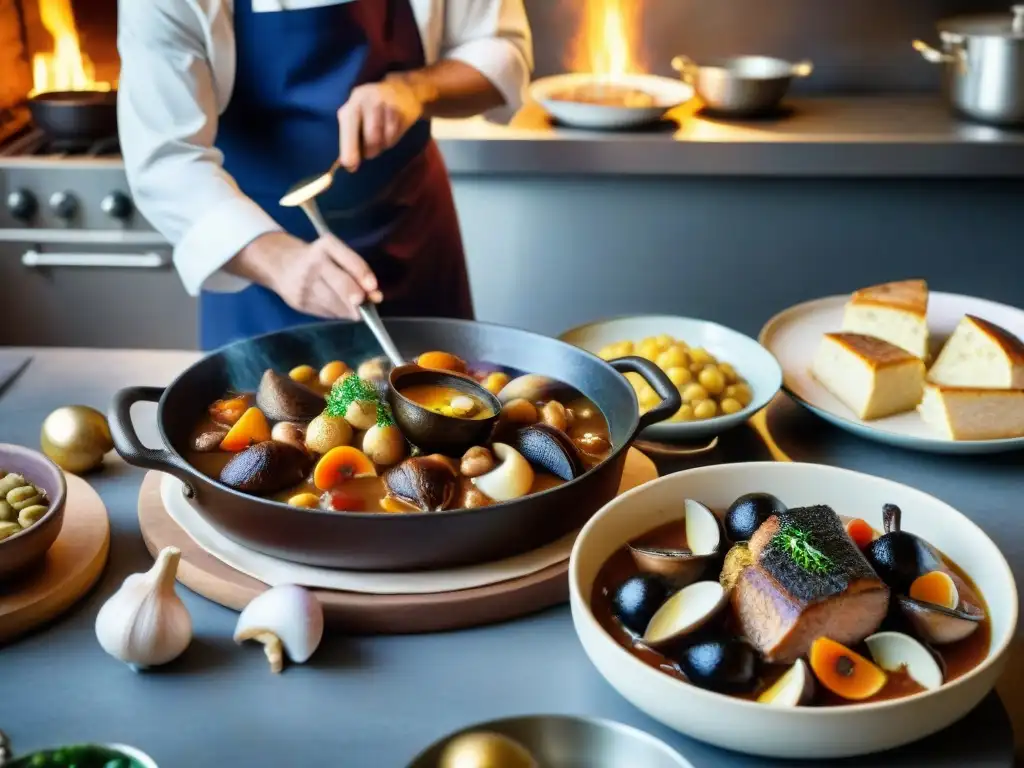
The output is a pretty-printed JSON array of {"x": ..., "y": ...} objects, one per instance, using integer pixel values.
[
  {"x": 144, "y": 623},
  {"x": 287, "y": 619}
]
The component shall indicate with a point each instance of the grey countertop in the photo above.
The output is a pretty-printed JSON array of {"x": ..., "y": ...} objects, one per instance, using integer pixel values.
[
  {"x": 365, "y": 702},
  {"x": 877, "y": 136}
]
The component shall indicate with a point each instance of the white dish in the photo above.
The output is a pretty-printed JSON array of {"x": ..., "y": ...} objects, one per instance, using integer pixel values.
[
  {"x": 793, "y": 337},
  {"x": 803, "y": 732},
  {"x": 751, "y": 361},
  {"x": 667, "y": 92}
]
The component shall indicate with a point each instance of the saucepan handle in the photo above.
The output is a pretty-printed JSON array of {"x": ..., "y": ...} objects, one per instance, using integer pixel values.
[
  {"x": 653, "y": 375},
  {"x": 933, "y": 55},
  {"x": 128, "y": 444}
]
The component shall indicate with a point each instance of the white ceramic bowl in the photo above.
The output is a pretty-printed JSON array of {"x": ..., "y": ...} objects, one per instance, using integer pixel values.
[
  {"x": 804, "y": 732},
  {"x": 667, "y": 92},
  {"x": 752, "y": 361}
]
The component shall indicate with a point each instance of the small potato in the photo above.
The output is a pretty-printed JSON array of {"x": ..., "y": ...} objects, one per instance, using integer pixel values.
[
  {"x": 31, "y": 515},
  {"x": 304, "y": 374},
  {"x": 730, "y": 405},
  {"x": 304, "y": 500},
  {"x": 326, "y": 432},
  {"x": 731, "y": 377},
  {"x": 495, "y": 382},
  {"x": 554, "y": 414},
  {"x": 701, "y": 355},
  {"x": 685, "y": 413},
  {"x": 705, "y": 409},
  {"x": 384, "y": 445},
  {"x": 476, "y": 461},
  {"x": 374, "y": 368},
  {"x": 331, "y": 372},
  {"x": 679, "y": 376},
  {"x": 673, "y": 357},
  {"x": 520, "y": 411},
  {"x": 694, "y": 393},
  {"x": 712, "y": 380},
  {"x": 361, "y": 414}
]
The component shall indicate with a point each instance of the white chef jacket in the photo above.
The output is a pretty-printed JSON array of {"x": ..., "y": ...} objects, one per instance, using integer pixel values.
[{"x": 177, "y": 75}]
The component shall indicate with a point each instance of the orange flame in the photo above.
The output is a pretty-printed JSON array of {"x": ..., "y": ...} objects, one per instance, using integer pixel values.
[
  {"x": 66, "y": 68},
  {"x": 608, "y": 39}
]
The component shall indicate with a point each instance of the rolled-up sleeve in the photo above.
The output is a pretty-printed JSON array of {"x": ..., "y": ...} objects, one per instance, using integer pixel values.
[
  {"x": 167, "y": 120},
  {"x": 493, "y": 37}
]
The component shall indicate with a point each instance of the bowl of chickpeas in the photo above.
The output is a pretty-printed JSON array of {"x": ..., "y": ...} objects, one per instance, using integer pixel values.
[
  {"x": 723, "y": 376},
  {"x": 32, "y": 494}
]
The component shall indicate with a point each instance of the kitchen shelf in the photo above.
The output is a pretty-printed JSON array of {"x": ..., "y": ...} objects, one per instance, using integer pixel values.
[{"x": 869, "y": 137}]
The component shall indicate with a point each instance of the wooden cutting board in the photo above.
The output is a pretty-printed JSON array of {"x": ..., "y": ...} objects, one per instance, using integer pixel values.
[
  {"x": 361, "y": 613},
  {"x": 72, "y": 565}
]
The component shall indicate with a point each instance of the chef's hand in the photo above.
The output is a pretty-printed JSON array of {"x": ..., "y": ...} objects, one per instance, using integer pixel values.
[
  {"x": 325, "y": 278},
  {"x": 375, "y": 117}
]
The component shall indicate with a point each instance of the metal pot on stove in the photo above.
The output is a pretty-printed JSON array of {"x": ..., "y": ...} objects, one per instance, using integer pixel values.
[{"x": 983, "y": 56}]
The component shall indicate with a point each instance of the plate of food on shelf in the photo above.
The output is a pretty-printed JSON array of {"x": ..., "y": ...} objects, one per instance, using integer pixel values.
[
  {"x": 722, "y": 376},
  {"x": 903, "y": 365},
  {"x": 792, "y": 610},
  {"x": 306, "y": 445}
]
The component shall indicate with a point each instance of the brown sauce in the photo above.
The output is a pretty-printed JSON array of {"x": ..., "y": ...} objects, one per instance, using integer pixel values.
[
  {"x": 368, "y": 494},
  {"x": 957, "y": 658}
]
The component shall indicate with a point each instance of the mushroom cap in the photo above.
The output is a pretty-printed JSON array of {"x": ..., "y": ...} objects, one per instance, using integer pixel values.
[{"x": 290, "y": 613}]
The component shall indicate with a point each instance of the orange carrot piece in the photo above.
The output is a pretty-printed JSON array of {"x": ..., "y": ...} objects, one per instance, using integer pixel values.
[
  {"x": 341, "y": 464},
  {"x": 861, "y": 533},
  {"x": 844, "y": 672},
  {"x": 229, "y": 410},
  {"x": 250, "y": 429}
]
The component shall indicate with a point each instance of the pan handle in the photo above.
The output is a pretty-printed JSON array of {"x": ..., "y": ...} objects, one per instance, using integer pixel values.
[
  {"x": 653, "y": 375},
  {"x": 130, "y": 447}
]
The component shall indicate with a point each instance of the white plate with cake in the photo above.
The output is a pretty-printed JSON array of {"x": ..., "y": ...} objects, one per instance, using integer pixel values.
[{"x": 899, "y": 364}]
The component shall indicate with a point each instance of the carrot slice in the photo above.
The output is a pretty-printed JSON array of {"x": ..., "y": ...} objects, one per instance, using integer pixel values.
[
  {"x": 250, "y": 429},
  {"x": 861, "y": 533},
  {"x": 229, "y": 410},
  {"x": 937, "y": 588},
  {"x": 341, "y": 464},
  {"x": 844, "y": 672},
  {"x": 442, "y": 361}
]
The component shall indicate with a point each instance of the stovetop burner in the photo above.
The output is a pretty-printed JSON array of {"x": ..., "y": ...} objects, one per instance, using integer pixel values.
[{"x": 19, "y": 138}]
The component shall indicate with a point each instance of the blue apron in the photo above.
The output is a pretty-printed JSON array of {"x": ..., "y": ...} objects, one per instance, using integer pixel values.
[{"x": 294, "y": 71}]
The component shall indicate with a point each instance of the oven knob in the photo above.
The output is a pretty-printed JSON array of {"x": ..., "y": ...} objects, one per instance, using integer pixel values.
[
  {"x": 117, "y": 205},
  {"x": 22, "y": 204},
  {"x": 64, "y": 205}
]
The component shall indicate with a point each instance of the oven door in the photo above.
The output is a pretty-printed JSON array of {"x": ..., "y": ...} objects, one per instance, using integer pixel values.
[{"x": 81, "y": 293}]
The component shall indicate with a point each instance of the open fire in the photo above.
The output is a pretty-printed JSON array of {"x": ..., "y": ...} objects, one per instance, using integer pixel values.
[
  {"x": 608, "y": 41},
  {"x": 66, "y": 67}
]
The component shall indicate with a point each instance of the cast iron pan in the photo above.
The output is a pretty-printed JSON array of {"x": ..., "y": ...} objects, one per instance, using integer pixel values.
[
  {"x": 75, "y": 117},
  {"x": 381, "y": 541}
]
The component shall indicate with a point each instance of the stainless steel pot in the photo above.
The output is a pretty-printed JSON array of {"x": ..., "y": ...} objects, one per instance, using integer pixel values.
[
  {"x": 984, "y": 65},
  {"x": 741, "y": 86}
]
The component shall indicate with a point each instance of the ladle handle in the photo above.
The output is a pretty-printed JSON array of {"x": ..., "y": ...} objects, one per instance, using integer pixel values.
[
  {"x": 312, "y": 210},
  {"x": 368, "y": 311}
]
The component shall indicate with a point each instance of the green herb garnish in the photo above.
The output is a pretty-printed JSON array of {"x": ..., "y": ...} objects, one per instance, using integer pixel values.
[
  {"x": 796, "y": 543},
  {"x": 353, "y": 389}
]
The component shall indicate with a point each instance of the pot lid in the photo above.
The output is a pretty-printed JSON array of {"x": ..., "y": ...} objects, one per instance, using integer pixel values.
[{"x": 987, "y": 25}]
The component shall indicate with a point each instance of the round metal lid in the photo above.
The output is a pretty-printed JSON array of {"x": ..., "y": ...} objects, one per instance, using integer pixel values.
[{"x": 987, "y": 25}]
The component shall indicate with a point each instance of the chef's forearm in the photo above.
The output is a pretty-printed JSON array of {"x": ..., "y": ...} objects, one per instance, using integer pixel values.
[
  {"x": 452, "y": 89},
  {"x": 260, "y": 259}
]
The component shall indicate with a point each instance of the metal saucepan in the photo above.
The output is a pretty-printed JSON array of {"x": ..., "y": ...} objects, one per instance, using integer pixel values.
[
  {"x": 741, "y": 86},
  {"x": 75, "y": 117},
  {"x": 984, "y": 61},
  {"x": 381, "y": 541}
]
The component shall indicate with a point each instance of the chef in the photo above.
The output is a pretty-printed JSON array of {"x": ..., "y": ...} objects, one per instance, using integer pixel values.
[{"x": 225, "y": 104}]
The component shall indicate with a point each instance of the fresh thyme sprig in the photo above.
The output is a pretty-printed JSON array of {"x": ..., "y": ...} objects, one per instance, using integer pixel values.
[
  {"x": 796, "y": 543},
  {"x": 352, "y": 389}
]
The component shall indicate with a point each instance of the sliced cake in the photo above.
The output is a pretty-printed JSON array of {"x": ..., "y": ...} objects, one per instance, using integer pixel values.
[
  {"x": 960, "y": 413},
  {"x": 894, "y": 312},
  {"x": 871, "y": 377},
  {"x": 980, "y": 354}
]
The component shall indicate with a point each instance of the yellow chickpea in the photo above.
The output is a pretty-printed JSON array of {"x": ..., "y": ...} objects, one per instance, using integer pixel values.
[
  {"x": 495, "y": 382},
  {"x": 673, "y": 357},
  {"x": 618, "y": 349},
  {"x": 730, "y": 405},
  {"x": 694, "y": 393},
  {"x": 712, "y": 380},
  {"x": 679, "y": 376},
  {"x": 304, "y": 374},
  {"x": 701, "y": 355},
  {"x": 305, "y": 500},
  {"x": 649, "y": 349},
  {"x": 731, "y": 377},
  {"x": 664, "y": 340},
  {"x": 685, "y": 413},
  {"x": 648, "y": 399},
  {"x": 743, "y": 394},
  {"x": 705, "y": 409},
  {"x": 331, "y": 372}
]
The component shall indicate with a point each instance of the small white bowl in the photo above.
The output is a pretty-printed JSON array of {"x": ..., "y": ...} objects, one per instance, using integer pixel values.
[
  {"x": 667, "y": 93},
  {"x": 754, "y": 363},
  {"x": 803, "y": 732}
]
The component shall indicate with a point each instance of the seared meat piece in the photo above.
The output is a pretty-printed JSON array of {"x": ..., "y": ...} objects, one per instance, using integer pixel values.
[{"x": 808, "y": 580}]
